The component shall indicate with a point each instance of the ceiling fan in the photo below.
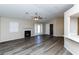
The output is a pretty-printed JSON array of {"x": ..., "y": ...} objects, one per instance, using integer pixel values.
[{"x": 36, "y": 16}]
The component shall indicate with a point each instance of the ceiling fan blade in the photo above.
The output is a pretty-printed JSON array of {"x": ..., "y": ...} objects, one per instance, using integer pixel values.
[
  {"x": 36, "y": 16},
  {"x": 40, "y": 17}
]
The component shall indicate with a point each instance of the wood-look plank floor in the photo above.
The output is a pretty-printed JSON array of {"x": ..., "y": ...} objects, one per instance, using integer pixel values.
[{"x": 39, "y": 45}]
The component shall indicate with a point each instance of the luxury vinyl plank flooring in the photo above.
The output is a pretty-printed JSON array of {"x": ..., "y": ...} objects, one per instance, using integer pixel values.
[{"x": 39, "y": 45}]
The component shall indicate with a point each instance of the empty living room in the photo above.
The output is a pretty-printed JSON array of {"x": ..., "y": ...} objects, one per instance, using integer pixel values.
[{"x": 39, "y": 29}]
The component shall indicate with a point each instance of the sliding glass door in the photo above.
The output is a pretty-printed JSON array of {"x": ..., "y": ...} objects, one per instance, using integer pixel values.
[{"x": 38, "y": 29}]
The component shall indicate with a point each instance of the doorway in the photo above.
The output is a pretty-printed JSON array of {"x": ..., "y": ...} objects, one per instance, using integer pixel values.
[
  {"x": 51, "y": 29},
  {"x": 38, "y": 29}
]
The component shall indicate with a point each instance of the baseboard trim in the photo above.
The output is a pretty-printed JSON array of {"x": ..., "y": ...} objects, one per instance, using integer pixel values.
[
  {"x": 30, "y": 37},
  {"x": 60, "y": 36},
  {"x": 69, "y": 50},
  {"x": 11, "y": 40}
]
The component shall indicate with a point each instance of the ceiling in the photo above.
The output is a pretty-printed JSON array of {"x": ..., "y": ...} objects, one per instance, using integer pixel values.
[{"x": 48, "y": 11}]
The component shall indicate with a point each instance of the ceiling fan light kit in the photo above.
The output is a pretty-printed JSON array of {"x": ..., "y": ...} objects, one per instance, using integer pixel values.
[{"x": 36, "y": 18}]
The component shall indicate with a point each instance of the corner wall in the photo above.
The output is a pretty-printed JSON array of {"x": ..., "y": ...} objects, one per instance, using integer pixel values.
[
  {"x": 58, "y": 26},
  {"x": 73, "y": 25},
  {"x": 71, "y": 42}
]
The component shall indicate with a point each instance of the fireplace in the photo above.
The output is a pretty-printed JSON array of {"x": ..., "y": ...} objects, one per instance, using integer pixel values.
[{"x": 27, "y": 33}]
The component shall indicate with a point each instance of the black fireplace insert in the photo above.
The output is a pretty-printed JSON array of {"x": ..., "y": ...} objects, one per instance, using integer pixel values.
[{"x": 27, "y": 34}]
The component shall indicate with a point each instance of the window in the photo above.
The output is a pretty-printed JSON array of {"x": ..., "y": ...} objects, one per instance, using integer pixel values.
[
  {"x": 14, "y": 27},
  {"x": 39, "y": 29}
]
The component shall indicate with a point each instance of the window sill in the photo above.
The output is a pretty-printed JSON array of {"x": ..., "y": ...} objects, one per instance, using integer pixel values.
[{"x": 73, "y": 37}]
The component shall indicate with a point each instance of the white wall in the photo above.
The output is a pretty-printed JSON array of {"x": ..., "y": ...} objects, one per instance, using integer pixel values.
[
  {"x": 71, "y": 41},
  {"x": 43, "y": 27},
  {"x": 0, "y": 28},
  {"x": 58, "y": 26},
  {"x": 47, "y": 28},
  {"x": 6, "y": 35},
  {"x": 73, "y": 26}
]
